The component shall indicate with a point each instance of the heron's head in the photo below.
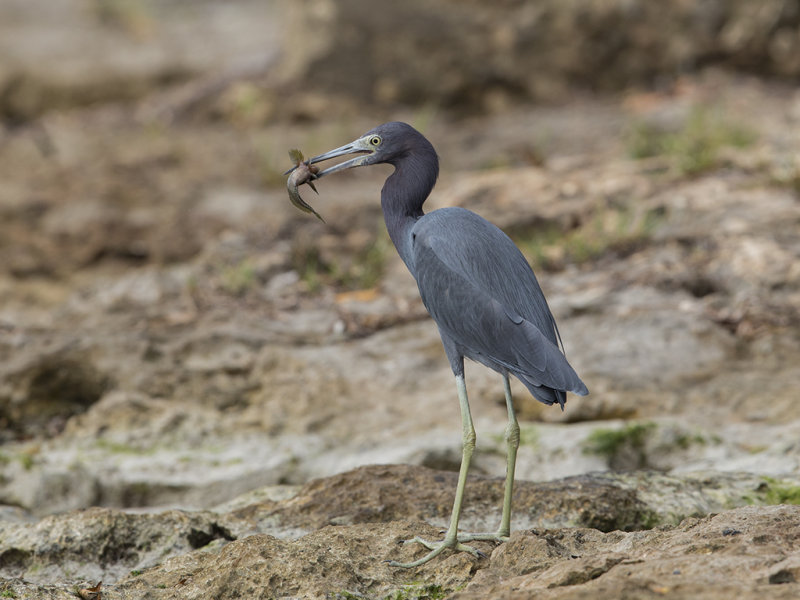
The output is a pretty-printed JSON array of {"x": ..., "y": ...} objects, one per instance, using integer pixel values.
[{"x": 387, "y": 143}]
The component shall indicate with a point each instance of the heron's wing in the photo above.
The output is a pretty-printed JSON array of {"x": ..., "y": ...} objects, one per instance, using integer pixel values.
[
  {"x": 482, "y": 293},
  {"x": 485, "y": 256}
]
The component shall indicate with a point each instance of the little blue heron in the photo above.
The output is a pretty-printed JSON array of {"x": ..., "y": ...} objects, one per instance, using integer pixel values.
[{"x": 479, "y": 289}]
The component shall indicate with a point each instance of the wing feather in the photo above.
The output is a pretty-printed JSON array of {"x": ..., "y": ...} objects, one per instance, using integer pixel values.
[{"x": 482, "y": 293}]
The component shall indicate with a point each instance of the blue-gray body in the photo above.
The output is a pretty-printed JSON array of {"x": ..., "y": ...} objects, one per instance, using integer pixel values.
[{"x": 484, "y": 297}]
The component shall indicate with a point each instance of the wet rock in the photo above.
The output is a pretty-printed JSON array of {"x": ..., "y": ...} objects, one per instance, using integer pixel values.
[
  {"x": 335, "y": 560},
  {"x": 696, "y": 555},
  {"x": 100, "y": 544},
  {"x": 607, "y": 502},
  {"x": 178, "y": 554}
]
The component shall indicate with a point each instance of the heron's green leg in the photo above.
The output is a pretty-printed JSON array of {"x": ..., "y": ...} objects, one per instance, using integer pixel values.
[
  {"x": 467, "y": 447},
  {"x": 512, "y": 444}
]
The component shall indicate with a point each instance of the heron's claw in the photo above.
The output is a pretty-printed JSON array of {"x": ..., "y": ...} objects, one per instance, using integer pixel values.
[{"x": 436, "y": 548}]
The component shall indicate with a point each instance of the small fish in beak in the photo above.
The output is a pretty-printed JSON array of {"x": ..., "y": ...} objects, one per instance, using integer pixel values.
[{"x": 303, "y": 172}]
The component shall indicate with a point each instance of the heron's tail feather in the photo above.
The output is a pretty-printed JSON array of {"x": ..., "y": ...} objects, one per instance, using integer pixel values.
[{"x": 548, "y": 395}]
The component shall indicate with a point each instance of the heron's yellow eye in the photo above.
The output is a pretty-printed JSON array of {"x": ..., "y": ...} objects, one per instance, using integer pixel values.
[{"x": 375, "y": 140}]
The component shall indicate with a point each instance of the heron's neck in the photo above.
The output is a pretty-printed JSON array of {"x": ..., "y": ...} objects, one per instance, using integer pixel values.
[{"x": 401, "y": 199}]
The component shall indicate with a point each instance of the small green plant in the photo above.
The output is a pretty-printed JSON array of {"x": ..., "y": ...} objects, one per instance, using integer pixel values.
[
  {"x": 8, "y": 594},
  {"x": 119, "y": 447},
  {"x": 135, "y": 573},
  {"x": 345, "y": 595},
  {"x": 27, "y": 457},
  {"x": 686, "y": 440},
  {"x": 622, "y": 448},
  {"x": 614, "y": 229},
  {"x": 307, "y": 262},
  {"x": 695, "y": 147},
  {"x": 245, "y": 104},
  {"x": 542, "y": 246},
  {"x": 619, "y": 229},
  {"x": 368, "y": 266},
  {"x": 417, "y": 591},
  {"x": 239, "y": 278},
  {"x": 776, "y": 492},
  {"x": 363, "y": 270}
]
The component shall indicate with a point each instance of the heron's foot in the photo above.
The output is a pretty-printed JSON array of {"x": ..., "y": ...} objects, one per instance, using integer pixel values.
[
  {"x": 497, "y": 538},
  {"x": 436, "y": 548}
]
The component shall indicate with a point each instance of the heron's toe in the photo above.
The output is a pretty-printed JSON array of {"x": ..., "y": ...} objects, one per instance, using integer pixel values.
[
  {"x": 497, "y": 538},
  {"x": 436, "y": 548}
]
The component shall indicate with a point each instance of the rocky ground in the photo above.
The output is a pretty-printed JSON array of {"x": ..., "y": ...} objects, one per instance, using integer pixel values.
[{"x": 206, "y": 393}]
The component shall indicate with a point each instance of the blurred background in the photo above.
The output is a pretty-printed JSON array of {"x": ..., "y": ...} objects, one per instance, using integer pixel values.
[{"x": 174, "y": 333}]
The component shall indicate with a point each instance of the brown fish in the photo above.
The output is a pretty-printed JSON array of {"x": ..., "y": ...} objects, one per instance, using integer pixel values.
[{"x": 302, "y": 173}]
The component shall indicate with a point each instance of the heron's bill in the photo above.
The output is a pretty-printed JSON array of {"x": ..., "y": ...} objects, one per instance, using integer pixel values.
[{"x": 360, "y": 146}]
